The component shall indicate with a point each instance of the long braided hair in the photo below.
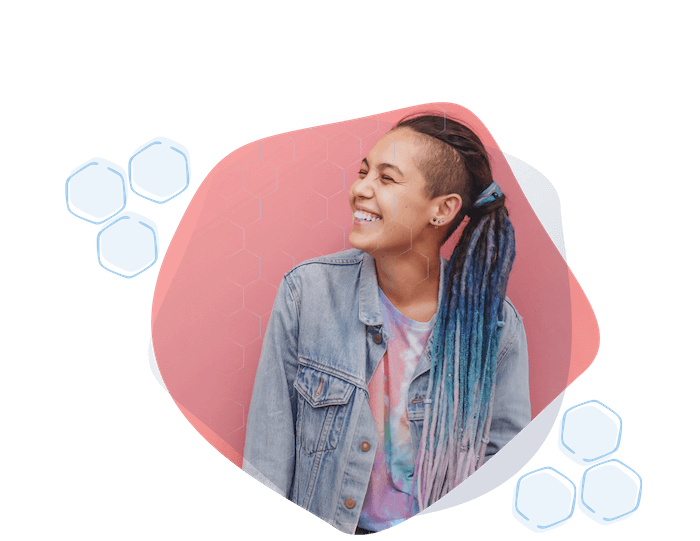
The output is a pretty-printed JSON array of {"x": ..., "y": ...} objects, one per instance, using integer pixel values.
[{"x": 467, "y": 331}]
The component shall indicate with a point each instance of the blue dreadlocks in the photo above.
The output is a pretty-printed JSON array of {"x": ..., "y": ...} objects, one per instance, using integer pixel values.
[{"x": 467, "y": 331}]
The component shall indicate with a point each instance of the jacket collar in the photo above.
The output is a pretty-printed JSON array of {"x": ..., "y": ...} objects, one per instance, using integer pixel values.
[{"x": 370, "y": 313}]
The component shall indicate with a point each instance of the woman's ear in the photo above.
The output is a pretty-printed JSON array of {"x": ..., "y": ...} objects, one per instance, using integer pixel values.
[{"x": 448, "y": 208}]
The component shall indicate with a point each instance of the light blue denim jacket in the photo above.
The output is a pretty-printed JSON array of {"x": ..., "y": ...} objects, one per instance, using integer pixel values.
[{"x": 310, "y": 434}]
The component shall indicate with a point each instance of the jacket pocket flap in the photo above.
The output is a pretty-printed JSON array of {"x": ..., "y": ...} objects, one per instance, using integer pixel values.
[
  {"x": 416, "y": 409},
  {"x": 321, "y": 389}
]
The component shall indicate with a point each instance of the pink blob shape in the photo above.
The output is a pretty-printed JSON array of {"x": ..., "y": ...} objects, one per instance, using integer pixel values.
[{"x": 274, "y": 203}]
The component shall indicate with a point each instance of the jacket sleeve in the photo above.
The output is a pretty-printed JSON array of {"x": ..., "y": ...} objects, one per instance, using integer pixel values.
[
  {"x": 511, "y": 406},
  {"x": 269, "y": 453}
]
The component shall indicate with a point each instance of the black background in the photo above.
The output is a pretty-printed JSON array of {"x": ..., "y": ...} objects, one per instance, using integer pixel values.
[{"x": 127, "y": 436}]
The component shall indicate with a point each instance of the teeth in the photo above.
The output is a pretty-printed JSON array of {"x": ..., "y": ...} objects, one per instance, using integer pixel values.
[{"x": 364, "y": 216}]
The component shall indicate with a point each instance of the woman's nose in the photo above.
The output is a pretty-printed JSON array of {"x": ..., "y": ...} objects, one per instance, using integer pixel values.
[{"x": 364, "y": 187}]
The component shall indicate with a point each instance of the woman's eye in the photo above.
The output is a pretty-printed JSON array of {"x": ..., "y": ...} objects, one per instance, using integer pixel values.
[{"x": 383, "y": 178}]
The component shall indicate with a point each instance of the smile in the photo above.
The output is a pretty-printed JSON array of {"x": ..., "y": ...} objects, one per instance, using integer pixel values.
[{"x": 365, "y": 218}]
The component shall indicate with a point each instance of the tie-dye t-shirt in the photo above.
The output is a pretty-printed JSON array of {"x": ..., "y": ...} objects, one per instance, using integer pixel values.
[{"x": 388, "y": 500}]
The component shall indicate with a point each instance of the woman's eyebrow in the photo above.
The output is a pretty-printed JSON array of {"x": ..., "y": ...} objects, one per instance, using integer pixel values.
[{"x": 384, "y": 166}]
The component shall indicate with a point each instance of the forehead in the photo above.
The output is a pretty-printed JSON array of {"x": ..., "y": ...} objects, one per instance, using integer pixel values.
[{"x": 401, "y": 146}]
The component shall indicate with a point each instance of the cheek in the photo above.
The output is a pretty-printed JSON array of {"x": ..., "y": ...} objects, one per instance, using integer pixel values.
[
  {"x": 389, "y": 206},
  {"x": 410, "y": 216},
  {"x": 411, "y": 213}
]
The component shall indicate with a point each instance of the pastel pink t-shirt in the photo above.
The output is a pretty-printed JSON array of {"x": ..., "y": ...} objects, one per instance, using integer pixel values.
[{"x": 388, "y": 500}]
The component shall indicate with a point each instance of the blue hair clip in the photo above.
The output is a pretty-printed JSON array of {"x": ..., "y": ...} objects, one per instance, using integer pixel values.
[{"x": 491, "y": 193}]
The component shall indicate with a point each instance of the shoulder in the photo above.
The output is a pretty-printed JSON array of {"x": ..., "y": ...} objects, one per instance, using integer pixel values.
[
  {"x": 510, "y": 314},
  {"x": 513, "y": 330},
  {"x": 332, "y": 269},
  {"x": 346, "y": 257}
]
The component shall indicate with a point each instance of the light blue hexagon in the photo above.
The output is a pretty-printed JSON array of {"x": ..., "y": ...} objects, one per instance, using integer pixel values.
[
  {"x": 610, "y": 491},
  {"x": 128, "y": 246},
  {"x": 159, "y": 170},
  {"x": 544, "y": 499},
  {"x": 590, "y": 431},
  {"x": 96, "y": 191}
]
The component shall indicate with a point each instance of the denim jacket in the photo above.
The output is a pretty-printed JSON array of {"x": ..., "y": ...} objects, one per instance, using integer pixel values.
[{"x": 310, "y": 433}]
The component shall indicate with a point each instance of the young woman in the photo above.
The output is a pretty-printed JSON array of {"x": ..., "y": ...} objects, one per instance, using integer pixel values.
[{"x": 388, "y": 375}]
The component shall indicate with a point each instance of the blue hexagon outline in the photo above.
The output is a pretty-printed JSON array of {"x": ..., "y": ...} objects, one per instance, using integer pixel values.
[
  {"x": 639, "y": 496},
  {"x": 570, "y": 453},
  {"x": 174, "y": 145},
  {"x": 555, "y": 525},
  {"x": 630, "y": 470},
  {"x": 112, "y": 167},
  {"x": 149, "y": 223}
]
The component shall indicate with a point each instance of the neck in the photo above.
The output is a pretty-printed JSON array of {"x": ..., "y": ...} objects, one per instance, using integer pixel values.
[{"x": 411, "y": 281}]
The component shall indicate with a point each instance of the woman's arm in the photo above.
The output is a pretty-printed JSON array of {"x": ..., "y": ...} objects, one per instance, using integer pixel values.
[
  {"x": 511, "y": 407},
  {"x": 270, "y": 431}
]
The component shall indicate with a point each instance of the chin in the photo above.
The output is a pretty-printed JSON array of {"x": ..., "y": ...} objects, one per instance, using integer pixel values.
[
  {"x": 353, "y": 240},
  {"x": 365, "y": 242}
]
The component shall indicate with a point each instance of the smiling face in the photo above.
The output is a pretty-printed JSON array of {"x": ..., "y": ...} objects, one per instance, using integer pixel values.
[{"x": 391, "y": 213}]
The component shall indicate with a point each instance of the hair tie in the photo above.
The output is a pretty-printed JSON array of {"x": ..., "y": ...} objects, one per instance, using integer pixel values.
[{"x": 490, "y": 194}]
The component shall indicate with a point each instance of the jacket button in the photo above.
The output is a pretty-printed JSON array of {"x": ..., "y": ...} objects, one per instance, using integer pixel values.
[
  {"x": 366, "y": 446},
  {"x": 377, "y": 338},
  {"x": 349, "y": 503}
]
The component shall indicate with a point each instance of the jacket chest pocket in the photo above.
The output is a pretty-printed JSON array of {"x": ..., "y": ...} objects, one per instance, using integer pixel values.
[
  {"x": 322, "y": 410},
  {"x": 416, "y": 414}
]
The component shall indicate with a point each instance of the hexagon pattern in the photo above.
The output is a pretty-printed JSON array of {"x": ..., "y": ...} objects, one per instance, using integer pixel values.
[
  {"x": 590, "y": 431},
  {"x": 544, "y": 498},
  {"x": 609, "y": 491},
  {"x": 127, "y": 246},
  {"x": 96, "y": 191},
  {"x": 159, "y": 170}
]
